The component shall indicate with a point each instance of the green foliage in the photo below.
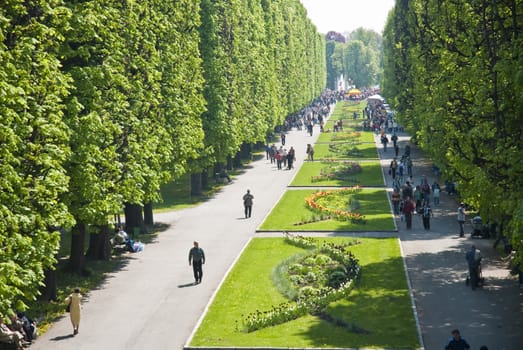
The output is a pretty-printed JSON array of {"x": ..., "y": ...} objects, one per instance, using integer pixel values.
[
  {"x": 453, "y": 72},
  {"x": 358, "y": 59},
  {"x": 33, "y": 145},
  {"x": 103, "y": 101},
  {"x": 256, "y": 56}
]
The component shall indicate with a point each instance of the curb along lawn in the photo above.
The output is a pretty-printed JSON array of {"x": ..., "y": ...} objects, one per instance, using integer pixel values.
[
  {"x": 379, "y": 304},
  {"x": 369, "y": 176},
  {"x": 292, "y": 209}
]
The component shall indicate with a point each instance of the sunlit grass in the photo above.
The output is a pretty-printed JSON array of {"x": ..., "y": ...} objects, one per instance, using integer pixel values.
[
  {"x": 347, "y": 134},
  {"x": 368, "y": 151},
  {"x": 379, "y": 304},
  {"x": 292, "y": 209},
  {"x": 370, "y": 175}
]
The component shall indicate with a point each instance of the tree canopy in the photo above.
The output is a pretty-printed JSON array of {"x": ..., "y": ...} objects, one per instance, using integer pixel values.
[
  {"x": 358, "y": 58},
  {"x": 103, "y": 101},
  {"x": 453, "y": 72}
]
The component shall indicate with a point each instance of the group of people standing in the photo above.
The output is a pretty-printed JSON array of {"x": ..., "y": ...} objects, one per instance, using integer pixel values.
[{"x": 281, "y": 156}]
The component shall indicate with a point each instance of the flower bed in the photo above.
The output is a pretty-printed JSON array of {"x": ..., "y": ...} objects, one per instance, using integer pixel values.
[
  {"x": 339, "y": 171},
  {"x": 335, "y": 270},
  {"x": 348, "y": 149},
  {"x": 319, "y": 200},
  {"x": 342, "y": 136}
]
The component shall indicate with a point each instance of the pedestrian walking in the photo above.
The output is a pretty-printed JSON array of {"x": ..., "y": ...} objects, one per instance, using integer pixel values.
[
  {"x": 456, "y": 342},
  {"x": 462, "y": 214},
  {"x": 408, "y": 209},
  {"x": 291, "y": 157},
  {"x": 247, "y": 203},
  {"x": 283, "y": 139},
  {"x": 426, "y": 214},
  {"x": 435, "y": 193},
  {"x": 73, "y": 300},
  {"x": 310, "y": 152},
  {"x": 396, "y": 199},
  {"x": 197, "y": 259}
]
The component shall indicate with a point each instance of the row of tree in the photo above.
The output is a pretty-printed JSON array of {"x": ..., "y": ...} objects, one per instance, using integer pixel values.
[
  {"x": 103, "y": 101},
  {"x": 357, "y": 57},
  {"x": 453, "y": 71}
]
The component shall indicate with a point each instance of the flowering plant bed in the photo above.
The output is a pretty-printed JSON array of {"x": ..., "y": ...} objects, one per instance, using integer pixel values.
[
  {"x": 345, "y": 150},
  {"x": 343, "y": 171},
  {"x": 302, "y": 210},
  {"x": 376, "y": 313},
  {"x": 369, "y": 173},
  {"x": 334, "y": 203},
  {"x": 311, "y": 281}
]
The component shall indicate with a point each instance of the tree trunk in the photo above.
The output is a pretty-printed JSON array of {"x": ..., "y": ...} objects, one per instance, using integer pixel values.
[
  {"x": 237, "y": 161},
  {"x": 148, "y": 216},
  {"x": 229, "y": 163},
  {"x": 246, "y": 151},
  {"x": 205, "y": 178},
  {"x": 48, "y": 290},
  {"x": 196, "y": 184},
  {"x": 77, "y": 257},
  {"x": 134, "y": 223},
  {"x": 99, "y": 246}
]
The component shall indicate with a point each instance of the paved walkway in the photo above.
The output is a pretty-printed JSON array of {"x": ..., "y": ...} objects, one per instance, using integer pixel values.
[{"x": 152, "y": 304}]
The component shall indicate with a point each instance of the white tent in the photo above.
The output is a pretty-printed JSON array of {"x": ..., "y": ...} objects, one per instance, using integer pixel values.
[{"x": 375, "y": 98}]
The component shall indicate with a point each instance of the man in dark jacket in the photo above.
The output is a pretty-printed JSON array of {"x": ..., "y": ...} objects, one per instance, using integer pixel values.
[
  {"x": 457, "y": 342},
  {"x": 197, "y": 259}
]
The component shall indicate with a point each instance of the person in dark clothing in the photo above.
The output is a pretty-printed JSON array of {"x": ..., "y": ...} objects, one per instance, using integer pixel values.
[
  {"x": 456, "y": 342},
  {"x": 247, "y": 203},
  {"x": 473, "y": 257},
  {"x": 197, "y": 259},
  {"x": 408, "y": 209},
  {"x": 426, "y": 214}
]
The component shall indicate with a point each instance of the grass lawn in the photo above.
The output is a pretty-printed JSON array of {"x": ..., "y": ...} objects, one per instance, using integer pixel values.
[
  {"x": 379, "y": 304},
  {"x": 345, "y": 135},
  {"x": 292, "y": 209},
  {"x": 346, "y": 109},
  {"x": 370, "y": 175},
  {"x": 368, "y": 151}
]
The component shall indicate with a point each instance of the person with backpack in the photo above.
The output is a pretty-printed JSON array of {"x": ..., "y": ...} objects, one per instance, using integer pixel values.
[
  {"x": 456, "y": 342},
  {"x": 426, "y": 214}
]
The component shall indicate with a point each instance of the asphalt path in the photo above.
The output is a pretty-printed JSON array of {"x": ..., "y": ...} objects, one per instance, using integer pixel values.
[{"x": 152, "y": 303}]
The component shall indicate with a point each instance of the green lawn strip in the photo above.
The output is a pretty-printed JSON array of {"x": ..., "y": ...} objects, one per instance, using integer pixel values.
[
  {"x": 368, "y": 151},
  {"x": 292, "y": 209},
  {"x": 346, "y": 109},
  {"x": 345, "y": 135},
  {"x": 379, "y": 304},
  {"x": 370, "y": 175}
]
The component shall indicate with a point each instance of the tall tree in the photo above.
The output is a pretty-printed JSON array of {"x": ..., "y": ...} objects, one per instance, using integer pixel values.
[
  {"x": 33, "y": 145},
  {"x": 458, "y": 64}
]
